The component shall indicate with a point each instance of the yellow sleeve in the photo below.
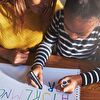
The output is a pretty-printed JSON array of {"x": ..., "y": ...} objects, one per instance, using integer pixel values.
[
  {"x": 59, "y": 5},
  {"x": 30, "y": 36}
]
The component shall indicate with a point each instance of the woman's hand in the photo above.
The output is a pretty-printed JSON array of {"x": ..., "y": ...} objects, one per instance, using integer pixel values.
[
  {"x": 39, "y": 74},
  {"x": 73, "y": 82},
  {"x": 14, "y": 56},
  {"x": 18, "y": 57}
]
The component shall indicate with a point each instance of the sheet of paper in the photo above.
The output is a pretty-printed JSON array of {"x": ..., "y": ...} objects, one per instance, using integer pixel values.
[
  {"x": 54, "y": 74},
  {"x": 10, "y": 89}
]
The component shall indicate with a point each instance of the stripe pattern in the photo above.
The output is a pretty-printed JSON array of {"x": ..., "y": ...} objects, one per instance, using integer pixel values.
[{"x": 66, "y": 47}]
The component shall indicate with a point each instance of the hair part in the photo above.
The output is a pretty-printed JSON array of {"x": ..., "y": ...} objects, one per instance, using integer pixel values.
[{"x": 83, "y": 8}]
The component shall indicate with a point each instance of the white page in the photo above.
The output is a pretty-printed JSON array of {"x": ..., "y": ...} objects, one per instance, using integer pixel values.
[
  {"x": 54, "y": 74},
  {"x": 25, "y": 92},
  {"x": 16, "y": 72}
]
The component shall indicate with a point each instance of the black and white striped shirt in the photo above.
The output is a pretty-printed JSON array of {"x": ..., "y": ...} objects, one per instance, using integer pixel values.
[{"x": 65, "y": 46}]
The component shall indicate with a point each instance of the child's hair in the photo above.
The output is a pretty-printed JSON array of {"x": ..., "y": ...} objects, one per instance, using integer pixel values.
[{"x": 83, "y": 8}]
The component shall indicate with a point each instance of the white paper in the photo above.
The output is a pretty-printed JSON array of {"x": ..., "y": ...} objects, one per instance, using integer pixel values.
[{"x": 11, "y": 89}]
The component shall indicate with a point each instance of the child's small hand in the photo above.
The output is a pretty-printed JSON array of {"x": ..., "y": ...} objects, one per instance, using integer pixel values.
[
  {"x": 74, "y": 81},
  {"x": 39, "y": 74}
]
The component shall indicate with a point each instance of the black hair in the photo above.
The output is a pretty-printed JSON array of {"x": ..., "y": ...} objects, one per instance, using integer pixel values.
[{"x": 83, "y": 8}]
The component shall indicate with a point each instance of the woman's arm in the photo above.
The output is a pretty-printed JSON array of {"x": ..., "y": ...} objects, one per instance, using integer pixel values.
[
  {"x": 14, "y": 56},
  {"x": 5, "y": 53}
]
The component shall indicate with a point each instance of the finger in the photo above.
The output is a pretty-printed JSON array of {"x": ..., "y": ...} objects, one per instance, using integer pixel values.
[
  {"x": 21, "y": 55},
  {"x": 40, "y": 78},
  {"x": 69, "y": 88},
  {"x": 24, "y": 56},
  {"x": 34, "y": 84},
  {"x": 26, "y": 52},
  {"x": 19, "y": 61},
  {"x": 63, "y": 79},
  {"x": 22, "y": 51},
  {"x": 21, "y": 58},
  {"x": 58, "y": 87},
  {"x": 24, "y": 61}
]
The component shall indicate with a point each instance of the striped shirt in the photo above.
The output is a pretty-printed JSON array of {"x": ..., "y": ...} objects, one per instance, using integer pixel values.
[{"x": 66, "y": 47}]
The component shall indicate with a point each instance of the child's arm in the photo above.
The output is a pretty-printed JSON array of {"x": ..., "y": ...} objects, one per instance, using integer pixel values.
[
  {"x": 82, "y": 79},
  {"x": 91, "y": 77},
  {"x": 45, "y": 50}
]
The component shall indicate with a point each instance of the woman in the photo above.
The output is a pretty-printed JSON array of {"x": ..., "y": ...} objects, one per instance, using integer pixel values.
[{"x": 22, "y": 25}]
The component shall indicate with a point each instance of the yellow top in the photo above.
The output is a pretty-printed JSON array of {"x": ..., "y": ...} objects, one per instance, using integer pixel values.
[{"x": 30, "y": 36}]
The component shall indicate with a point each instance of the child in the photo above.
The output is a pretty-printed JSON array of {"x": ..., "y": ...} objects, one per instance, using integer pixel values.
[
  {"x": 76, "y": 32},
  {"x": 20, "y": 26}
]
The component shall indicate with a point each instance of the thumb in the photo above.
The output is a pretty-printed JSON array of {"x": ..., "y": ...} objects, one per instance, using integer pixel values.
[
  {"x": 41, "y": 78},
  {"x": 69, "y": 89}
]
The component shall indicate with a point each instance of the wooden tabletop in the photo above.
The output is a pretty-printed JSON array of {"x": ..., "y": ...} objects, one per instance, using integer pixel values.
[{"x": 91, "y": 92}]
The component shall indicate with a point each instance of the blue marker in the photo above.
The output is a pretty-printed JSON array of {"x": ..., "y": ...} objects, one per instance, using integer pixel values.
[{"x": 35, "y": 79}]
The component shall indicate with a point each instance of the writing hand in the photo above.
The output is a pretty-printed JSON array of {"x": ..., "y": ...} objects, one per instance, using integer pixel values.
[
  {"x": 74, "y": 81},
  {"x": 39, "y": 74}
]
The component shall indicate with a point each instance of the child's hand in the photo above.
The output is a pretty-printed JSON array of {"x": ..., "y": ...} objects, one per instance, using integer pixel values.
[
  {"x": 73, "y": 80},
  {"x": 18, "y": 57},
  {"x": 39, "y": 74}
]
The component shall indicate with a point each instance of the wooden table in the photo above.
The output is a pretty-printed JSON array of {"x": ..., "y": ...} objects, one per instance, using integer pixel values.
[{"x": 91, "y": 92}]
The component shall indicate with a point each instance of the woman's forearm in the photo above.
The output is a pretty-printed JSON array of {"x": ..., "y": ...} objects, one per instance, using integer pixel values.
[{"x": 4, "y": 53}]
